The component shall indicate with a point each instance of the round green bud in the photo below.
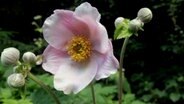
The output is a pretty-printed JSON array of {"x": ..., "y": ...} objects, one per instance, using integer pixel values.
[
  {"x": 39, "y": 59},
  {"x": 145, "y": 15},
  {"x": 118, "y": 21},
  {"x": 29, "y": 57},
  {"x": 135, "y": 25},
  {"x": 10, "y": 56},
  {"x": 16, "y": 80}
]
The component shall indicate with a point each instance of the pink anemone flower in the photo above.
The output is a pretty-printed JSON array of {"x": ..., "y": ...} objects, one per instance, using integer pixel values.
[{"x": 79, "y": 50}]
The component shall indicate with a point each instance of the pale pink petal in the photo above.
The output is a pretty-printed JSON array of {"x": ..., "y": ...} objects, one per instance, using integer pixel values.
[
  {"x": 100, "y": 40},
  {"x": 108, "y": 64},
  {"x": 73, "y": 77},
  {"x": 85, "y": 9},
  {"x": 98, "y": 34},
  {"x": 59, "y": 28},
  {"x": 52, "y": 59}
]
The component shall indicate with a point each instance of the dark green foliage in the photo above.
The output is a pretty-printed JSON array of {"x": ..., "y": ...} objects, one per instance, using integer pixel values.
[{"x": 6, "y": 39}]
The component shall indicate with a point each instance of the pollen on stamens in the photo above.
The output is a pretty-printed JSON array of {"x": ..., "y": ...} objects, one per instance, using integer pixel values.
[{"x": 79, "y": 48}]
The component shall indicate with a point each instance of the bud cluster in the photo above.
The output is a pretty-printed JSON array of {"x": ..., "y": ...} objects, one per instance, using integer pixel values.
[
  {"x": 144, "y": 15},
  {"x": 126, "y": 27},
  {"x": 10, "y": 57}
]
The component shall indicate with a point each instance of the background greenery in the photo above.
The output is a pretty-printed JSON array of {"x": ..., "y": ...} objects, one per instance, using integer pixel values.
[{"x": 153, "y": 63}]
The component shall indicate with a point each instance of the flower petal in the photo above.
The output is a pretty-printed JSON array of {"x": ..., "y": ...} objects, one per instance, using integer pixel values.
[
  {"x": 100, "y": 40},
  {"x": 61, "y": 26},
  {"x": 73, "y": 77},
  {"x": 97, "y": 34},
  {"x": 52, "y": 59},
  {"x": 108, "y": 65},
  {"x": 85, "y": 9}
]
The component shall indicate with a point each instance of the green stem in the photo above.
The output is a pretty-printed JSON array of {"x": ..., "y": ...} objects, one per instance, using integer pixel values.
[
  {"x": 120, "y": 69},
  {"x": 93, "y": 93},
  {"x": 23, "y": 92},
  {"x": 46, "y": 88}
]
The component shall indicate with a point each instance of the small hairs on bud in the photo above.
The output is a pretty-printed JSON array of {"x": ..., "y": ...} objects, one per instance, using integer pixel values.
[
  {"x": 135, "y": 25},
  {"x": 118, "y": 21},
  {"x": 16, "y": 80},
  {"x": 10, "y": 56},
  {"x": 145, "y": 15},
  {"x": 29, "y": 57}
]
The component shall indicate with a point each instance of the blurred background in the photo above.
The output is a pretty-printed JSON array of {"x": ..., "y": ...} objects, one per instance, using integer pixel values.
[{"x": 154, "y": 66}]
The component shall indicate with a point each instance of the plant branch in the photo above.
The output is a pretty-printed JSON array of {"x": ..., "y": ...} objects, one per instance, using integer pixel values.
[
  {"x": 93, "y": 93},
  {"x": 121, "y": 68},
  {"x": 46, "y": 88}
]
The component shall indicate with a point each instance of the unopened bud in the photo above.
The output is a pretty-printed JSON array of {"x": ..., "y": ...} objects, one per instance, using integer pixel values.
[
  {"x": 135, "y": 25},
  {"x": 145, "y": 15},
  {"x": 10, "y": 56},
  {"x": 29, "y": 57},
  {"x": 16, "y": 80},
  {"x": 118, "y": 21},
  {"x": 39, "y": 59}
]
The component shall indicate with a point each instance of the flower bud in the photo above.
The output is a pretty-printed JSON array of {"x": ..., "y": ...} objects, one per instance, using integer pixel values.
[
  {"x": 145, "y": 15},
  {"x": 16, "y": 80},
  {"x": 10, "y": 56},
  {"x": 29, "y": 57},
  {"x": 39, "y": 59},
  {"x": 135, "y": 25},
  {"x": 118, "y": 21}
]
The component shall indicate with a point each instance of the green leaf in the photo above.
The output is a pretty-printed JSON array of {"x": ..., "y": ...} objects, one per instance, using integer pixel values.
[
  {"x": 122, "y": 30},
  {"x": 45, "y": 78},
  {"x": 5, "y": 93},
  {"x": 171, "y": 83},
  {"x": 126, "y": 85},
  {"x": 25, "y": 101},
  {"x": 10, "y": 101},
  {"x": 14, "y": 101},
  {"x": 101, "y": 92},
  {"x": 40, "y": 96},
  {"x": 147, "y": 97},
  {"x": 175, "y": 97},
  {"x": 128, "y": 98},
  {"x": 138, "y": 102},
  {"x": 159, "y": 93}
]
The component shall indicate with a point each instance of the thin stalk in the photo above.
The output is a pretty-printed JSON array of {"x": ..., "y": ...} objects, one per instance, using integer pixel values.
[
  {"x": 93, "y": 93},
  {"x": 120, "y": 70},
  {"x": 46, "y": 88},
  {"x": 23, "y": 92}
]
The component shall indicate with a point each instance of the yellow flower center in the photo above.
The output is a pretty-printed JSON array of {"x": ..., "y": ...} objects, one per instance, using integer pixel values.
[{"x": 79, "y": 48}]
